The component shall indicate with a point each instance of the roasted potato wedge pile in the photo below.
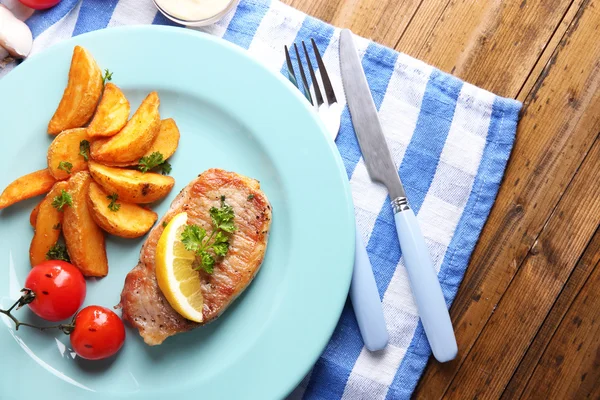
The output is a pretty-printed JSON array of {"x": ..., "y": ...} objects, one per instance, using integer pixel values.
[{"x": 102, "y": 165}]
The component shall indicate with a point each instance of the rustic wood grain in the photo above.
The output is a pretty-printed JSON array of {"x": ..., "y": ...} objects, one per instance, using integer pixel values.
[
  {"x": 492, "y": 44},
  {"x": 542, "y": 63},
  {"x": 570, "y": 367},
  {"x": 325, "y": 10},
  {"x": 546, "y": 54},
  {"x": 552, "y": 139},
  {"x": 383, "y": 21},
  {"x": 576, "y": 281}
]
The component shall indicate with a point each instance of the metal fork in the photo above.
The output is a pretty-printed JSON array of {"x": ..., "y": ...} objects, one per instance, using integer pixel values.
[
  {"x": 330, "y": 111},
  {"x": 363, "y": 290}
]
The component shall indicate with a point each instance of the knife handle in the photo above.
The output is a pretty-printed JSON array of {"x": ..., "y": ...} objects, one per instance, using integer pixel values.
[
  {"x": 424, "y": 283},
  {"x": 366, "y": 301}
]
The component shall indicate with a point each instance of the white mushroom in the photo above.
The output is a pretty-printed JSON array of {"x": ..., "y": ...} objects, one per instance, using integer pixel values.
[
  {"x": 15, "y": 36},
  {"x": 18, "y": 9}
]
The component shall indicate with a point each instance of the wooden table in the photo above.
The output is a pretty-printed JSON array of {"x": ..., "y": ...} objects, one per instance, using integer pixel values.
[{"x": 527, "y": 316}]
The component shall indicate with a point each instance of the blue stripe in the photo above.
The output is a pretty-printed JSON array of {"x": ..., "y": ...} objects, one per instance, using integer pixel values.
[
  {"x": 383, "y": 247},
  {"x": 42, "y": 20},
  {"x": 350, "y": 155},
  {"x": 94, "y": 15},
  {"x": 423, "y": 152},
  {"x": 500, "y": 139},
  {"x": 412, "y": 367},
  {"x": 245, "y": 22},
  {"x": 416, "y": 170},
  {"x": 331, "y": 372},
  {"x": 160, "y": 19}
]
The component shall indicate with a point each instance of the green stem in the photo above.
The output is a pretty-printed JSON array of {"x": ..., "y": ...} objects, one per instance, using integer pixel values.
[
  {"x": 205, "y": 245},
  {"x": 27, "y": 297}
]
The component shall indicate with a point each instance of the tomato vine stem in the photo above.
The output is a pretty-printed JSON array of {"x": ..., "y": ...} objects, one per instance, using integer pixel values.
[{"x": 27, "y": 297}]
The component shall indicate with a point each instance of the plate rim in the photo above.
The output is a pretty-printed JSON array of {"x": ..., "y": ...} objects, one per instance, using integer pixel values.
[{"x": 18, "y": 73}]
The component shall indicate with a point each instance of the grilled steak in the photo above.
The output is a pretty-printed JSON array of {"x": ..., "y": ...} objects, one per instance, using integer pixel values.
[{"x": 143, "y": 304}]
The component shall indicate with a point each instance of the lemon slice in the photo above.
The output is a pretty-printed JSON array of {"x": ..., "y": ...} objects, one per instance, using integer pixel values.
[{"x": 177, "y": 279}]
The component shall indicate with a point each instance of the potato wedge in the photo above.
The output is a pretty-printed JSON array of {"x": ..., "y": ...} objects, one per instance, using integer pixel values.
[
  {"x": 34, "y": 214},
  {"x": 129, "y": 221},
  {"x": 166, "y": 143},
  {"x": 65, "y": 148},
  {"x": 84, "y": 238},
  {"x": 132, "y": 186},
  {"x": 81, "y": 95},
  {"x": 26, "y": 187},
  {"x": 112, "y": 113},
  {"x": 132, "y": 142},
  {"x": 47, "y": 226}
]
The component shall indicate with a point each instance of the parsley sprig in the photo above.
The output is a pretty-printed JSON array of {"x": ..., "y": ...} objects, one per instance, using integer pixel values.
[
  {"x": 107, "y": 76},
  {"x": 165, "y": 168},
  {"x": 113, "y": 205},
  {"x": 58, "y": 252},
  {"x": 152, "y": 161},
  {"x": 209, "y": 247},
  {"x": 84, "y": 149},
  {"x": 62, "y": 200},
  {"x": 65, "y": 166}
]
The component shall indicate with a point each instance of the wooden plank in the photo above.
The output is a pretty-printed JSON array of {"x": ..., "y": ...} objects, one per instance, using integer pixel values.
[
  {"x": 383, "y": 21},
  {"x": 555, "y": 133},
  {"x": 550, "y": 49},
  {"x": 324, "y": 10},
  {"x": 576, "y": 281},
  {"x": 570, "y": 367},
  {"x": 529, "y": 298},
  {"x": 492, "y": 44}
]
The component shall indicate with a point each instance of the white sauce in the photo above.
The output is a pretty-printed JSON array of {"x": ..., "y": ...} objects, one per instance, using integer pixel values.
[{"x": 193, "y": 10}]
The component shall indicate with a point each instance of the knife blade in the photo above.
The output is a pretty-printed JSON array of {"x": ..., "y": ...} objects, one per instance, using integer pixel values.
[{"x": 424, "y": 283}]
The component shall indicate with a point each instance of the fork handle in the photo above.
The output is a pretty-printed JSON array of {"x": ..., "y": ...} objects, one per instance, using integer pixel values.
[{"x": 366, "y": 301}]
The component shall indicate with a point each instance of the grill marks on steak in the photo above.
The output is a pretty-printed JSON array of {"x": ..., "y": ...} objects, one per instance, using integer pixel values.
[{"x": 143, "y": 304}]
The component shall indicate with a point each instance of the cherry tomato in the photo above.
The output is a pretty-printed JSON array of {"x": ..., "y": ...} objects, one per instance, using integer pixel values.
[
  {"x": 99, "y": 333},
  {"x": 40, "y": 4},
  {"x": 59, "y": 289}
]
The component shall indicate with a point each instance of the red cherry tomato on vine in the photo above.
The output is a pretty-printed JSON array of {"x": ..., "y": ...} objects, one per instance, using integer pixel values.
[
  {"x": 40, "y": 4},
  {"x": 59, "y": 289},
  {"x": 99, "y": 333}
]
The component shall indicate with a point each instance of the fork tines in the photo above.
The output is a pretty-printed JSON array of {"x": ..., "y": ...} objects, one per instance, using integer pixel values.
[{"x": 328, "y": 88}]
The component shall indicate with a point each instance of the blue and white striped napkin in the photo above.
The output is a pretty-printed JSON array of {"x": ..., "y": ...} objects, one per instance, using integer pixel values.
[{"x": 451, "y": 141}]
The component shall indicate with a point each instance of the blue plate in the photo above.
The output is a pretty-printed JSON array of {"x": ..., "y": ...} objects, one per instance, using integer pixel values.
[{"x": 233, "y": 114}]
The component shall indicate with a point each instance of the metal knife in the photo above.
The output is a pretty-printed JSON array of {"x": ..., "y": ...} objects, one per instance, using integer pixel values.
[{"x": 424, "y": 282}]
